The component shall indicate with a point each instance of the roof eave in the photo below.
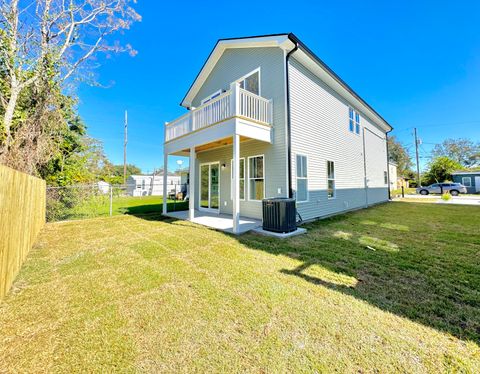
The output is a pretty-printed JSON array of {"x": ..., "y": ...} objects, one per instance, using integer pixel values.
[
  {"x": 365, "y": 106},
  {"x": 285, "y": 41}
]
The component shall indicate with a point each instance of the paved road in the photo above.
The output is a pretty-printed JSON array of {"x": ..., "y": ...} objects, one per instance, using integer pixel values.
[{"x": 460, "y": 200}]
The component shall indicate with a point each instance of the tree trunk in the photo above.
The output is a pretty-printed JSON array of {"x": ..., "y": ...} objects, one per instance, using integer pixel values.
[{"x": 8, "y": 116}]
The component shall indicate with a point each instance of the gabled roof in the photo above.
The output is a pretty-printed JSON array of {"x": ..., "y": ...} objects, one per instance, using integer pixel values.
[
  {"x": 288, "y": 42},
  {"x": 274, "y": 40}
]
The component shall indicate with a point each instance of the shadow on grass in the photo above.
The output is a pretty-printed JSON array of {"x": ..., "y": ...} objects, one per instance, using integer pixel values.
[
  {"x": 150, "y": 211},
  {"x": 407, "y": 269}
]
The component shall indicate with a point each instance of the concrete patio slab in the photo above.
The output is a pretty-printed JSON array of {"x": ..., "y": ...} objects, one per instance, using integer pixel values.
[{"x": 215, "y": 221}]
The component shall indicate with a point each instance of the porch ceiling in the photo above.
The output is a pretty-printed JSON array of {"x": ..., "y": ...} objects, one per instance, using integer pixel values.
[{"x": 212, "y": 145}]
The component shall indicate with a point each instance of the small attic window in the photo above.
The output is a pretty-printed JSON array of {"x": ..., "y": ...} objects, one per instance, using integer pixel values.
[{"x": 211, "y": 97}]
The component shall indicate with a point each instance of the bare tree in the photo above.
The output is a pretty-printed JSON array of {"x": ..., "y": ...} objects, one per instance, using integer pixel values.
[
  {"x": 48, "y": 42},
  {"x": 464, "y": 151}
]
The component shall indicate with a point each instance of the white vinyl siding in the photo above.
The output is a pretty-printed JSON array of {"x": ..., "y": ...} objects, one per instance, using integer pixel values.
[
  {"x": 256, "y": 178},
  {"x": 302, "y": 178},
  {"x": 242, "y": 178},
  {"x": 234, "y": 64},
  {"x": 320, "y": 130}
]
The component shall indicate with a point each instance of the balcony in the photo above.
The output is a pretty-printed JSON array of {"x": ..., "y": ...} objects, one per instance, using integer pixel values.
[{"x": 236, "y": 103}]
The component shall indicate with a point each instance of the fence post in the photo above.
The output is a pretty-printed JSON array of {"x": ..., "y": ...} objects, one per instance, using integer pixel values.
[
  {"x": 111, "y": 199},
  {"x": 403, "y": 191}
]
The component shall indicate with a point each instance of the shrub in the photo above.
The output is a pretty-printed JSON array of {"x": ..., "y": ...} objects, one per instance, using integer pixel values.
[{"x": 446, "y": 196}]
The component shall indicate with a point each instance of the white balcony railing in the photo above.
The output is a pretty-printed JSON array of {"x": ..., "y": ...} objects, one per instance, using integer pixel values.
[{"x": 236, "y": 102}]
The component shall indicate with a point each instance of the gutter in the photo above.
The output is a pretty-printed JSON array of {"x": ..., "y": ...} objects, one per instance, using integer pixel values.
[
  {"x": 289, "y": 117},
  {"x": 365, "y": 182}
]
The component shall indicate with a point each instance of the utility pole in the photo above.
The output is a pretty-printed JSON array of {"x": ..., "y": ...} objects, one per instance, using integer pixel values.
[
  {"x": 416, "y": 156},
  {"x": 125, "y": 139}
]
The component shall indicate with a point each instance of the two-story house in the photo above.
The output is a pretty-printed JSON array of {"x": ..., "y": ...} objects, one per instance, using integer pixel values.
[{"x": 267, "y": 118}]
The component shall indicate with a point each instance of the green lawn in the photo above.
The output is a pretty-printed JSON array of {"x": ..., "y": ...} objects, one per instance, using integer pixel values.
[
  {"x": 395, "y": 288},
  {"x": 406, "y": 191},
  {"x": 99, "y": 206}
]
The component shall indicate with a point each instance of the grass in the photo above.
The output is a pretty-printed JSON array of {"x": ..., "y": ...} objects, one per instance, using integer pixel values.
[
  {"x": 431, "y": 200},
  {"x": 398, "y": 191},
  {"x": 99, "y": 206},
  {"x": 395, "y": 288}
]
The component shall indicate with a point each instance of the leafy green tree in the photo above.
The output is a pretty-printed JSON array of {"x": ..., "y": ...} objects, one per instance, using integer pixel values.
[
  {"x": 464, "y": 151},
  {"x": 398, "y": 153},
  {"x": 86, "y": 164},
  {"x": 440, "y": 169},
  {"x": 116, "y": 176},
  {"x": 44, "y": 46}
]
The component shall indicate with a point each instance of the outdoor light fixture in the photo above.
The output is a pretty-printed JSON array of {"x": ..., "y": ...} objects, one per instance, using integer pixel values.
[{"x": 224, "y": 166}]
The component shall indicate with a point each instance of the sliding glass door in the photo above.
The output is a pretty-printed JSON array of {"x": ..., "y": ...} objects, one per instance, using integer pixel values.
[{"x": 210, "y": 186}]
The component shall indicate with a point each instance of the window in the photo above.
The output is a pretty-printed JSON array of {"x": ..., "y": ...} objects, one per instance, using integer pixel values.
[
  {"x": 351, "y": 122},
  {"x": 354, "y": 121},
  {"x": 211, "y": 97},
  {"x": 256, "y": 178},
  {"x": 467, "y": 181},
  {"x": 385, "y": 177},
  {"x": 302, "y": 185},
  {"x": 251, "y": 82},
  {"x": 331, "y": 179},
  {"x": 242, "y": 179}
]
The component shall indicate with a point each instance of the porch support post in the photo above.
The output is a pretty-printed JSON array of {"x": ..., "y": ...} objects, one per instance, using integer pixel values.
[
  {"x": 235, "y": 99},
  {"x": 165, "y": 173},
  {"x": 191, "y": 201},
  {"x": 236, "y": 184}
]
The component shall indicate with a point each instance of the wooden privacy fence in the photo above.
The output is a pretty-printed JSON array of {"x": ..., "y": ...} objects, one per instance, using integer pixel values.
[{"x": 22, "y": 215}]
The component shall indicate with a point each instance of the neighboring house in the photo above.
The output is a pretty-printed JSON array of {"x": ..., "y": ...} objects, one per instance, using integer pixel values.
[
  {"x": 392, "y": 174},
  {"x": 267, "y": 118},
  {"x": 145, "y": 185},
  {"x": 470, "y": 179},
  {"x": 103, "y": 187}
]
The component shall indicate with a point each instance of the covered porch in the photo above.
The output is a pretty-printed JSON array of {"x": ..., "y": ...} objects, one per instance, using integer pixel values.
[
  {"x": 223, "y": 222},
  {"x": 218, "y": 124}
]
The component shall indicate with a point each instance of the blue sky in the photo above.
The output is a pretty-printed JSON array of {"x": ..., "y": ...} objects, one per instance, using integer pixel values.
[{"x": 416, "y": 62}]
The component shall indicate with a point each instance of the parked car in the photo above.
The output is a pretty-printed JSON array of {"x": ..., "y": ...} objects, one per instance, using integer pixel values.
[{"x": 454, "y": 188}]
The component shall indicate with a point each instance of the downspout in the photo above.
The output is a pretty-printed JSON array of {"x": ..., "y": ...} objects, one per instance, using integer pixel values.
[
  {"x": 365, "y": 183},
  {"x": 289, "y": 121},
  {"x": 388, "y": 167}
]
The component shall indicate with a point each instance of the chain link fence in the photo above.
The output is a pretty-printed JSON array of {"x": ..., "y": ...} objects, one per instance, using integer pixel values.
[{"x": 101, "y": 200}]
